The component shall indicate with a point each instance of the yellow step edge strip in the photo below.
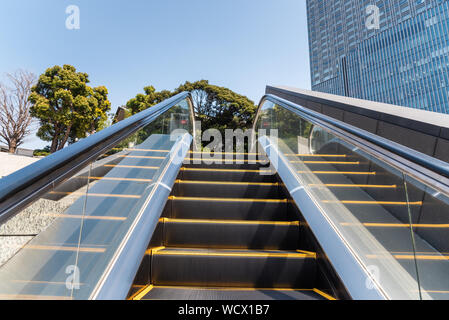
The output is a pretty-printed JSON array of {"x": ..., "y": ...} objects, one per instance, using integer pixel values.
[
  {"x": 412, "y": 257},
  {"x": 229, "y": 288},
  {"x": 421, "y": 257},
  {"x": 354, "y": 186},
  {"x": 145, "y": 290},
  {"x": 224, "y": 170},
  {"x": 140, "y": 150},
  {"x": 308, "y": 253},
  {"x": 228, "y": 183},
  {"x": 340, "y": 172},
  {"x": 62, "y": 248},
  {"x": 317, "y": 155},
  {"x": 397, "y": 225},
  {"x": 141, "y": 157},
  {"x": 101, "y": 195},
  {"x": 421, "y": 253},
  {"x": 115, "y": 179},
  {"x": 234, "y": 153},
  {"x": 328, "y": 162},
  {"x": 247, "y": 222},
  {"x": 391, "y": 203},
  {"x": 226, "y": 153},
  {"x": 224, "y": 160},
  {"x": 434, "y": 291},
  {"x": 130, "y": 167},
  {"x": 324, "y": 294},
  {"x": 227, "y": 199},
  {"x": 141, "y": 293},
  {"x": 153, "y": 250},
  {"x": 190, "y": 152},
  {"x": 234, "y": 254},
  {"x": 138, "y": 286},
  {"x": 235, "y": 289},
  {"x": 86, "y": 217}
]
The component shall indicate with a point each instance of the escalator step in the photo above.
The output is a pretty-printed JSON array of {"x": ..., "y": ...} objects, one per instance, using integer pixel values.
[
  {"x": 185, "y": 188},
  {"x": 234, "y": 175},
  {"x": 246, "y": 165},
  {"x": 219, "y": 209},
  {"x": 233, "y": 268},
  {"x": 231, "y": 234},
  {"x": 192, "y": 293}
]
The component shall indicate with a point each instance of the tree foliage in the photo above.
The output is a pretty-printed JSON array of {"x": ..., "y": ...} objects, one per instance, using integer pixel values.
[
  {"x": 219, "y": 107},
  {"x": 147, "y": 100},
  {"x": 290, "y": 126},
  {"x": 67, "y": 108},
  {"x": 216, "y": 107}
]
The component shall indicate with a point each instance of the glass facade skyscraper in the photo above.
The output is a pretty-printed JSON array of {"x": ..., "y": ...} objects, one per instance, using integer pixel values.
[{"x": 392, "y": 51}]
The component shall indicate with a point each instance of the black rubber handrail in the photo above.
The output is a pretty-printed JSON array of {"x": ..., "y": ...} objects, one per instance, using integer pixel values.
[
  {"x": 23, "y": 186},
  {"x": 438, "y": 166}
]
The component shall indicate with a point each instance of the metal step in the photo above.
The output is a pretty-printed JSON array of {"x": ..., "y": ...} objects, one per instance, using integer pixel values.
[
  {"x": 225, "y": 164},
  {"x": 233, "y": 174},
  {"x": 195, "y": 188},
  {"x": 228, "y": 209},
  {"x": 232, "y": 268},
  {"x": 226, "y": 228},
  {"x": 249, "y": 294},
  {"x": 230, "y": 234}
]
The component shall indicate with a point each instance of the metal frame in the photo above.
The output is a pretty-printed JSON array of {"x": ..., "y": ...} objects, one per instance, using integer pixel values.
[{"x": 21, "y": 188}]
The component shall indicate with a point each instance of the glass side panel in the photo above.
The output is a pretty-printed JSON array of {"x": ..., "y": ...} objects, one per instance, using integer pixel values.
[
  {"x": 90, "y": 215},
  {"x": 431, "y": 227},
  {"x": 365, "y": 199}
]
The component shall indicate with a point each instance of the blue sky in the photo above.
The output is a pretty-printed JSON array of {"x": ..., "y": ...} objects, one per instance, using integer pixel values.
[{"x": 126, "y": 45}]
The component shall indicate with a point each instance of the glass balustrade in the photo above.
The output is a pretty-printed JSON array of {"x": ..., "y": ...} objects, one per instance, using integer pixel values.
[
  {"x": 396, "y": 225},
  {"x": 81, "y": 224}
]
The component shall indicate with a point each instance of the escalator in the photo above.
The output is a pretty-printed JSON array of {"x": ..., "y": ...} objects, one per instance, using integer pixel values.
[
  {"x": 228, "y": 232},
  {"x": 92, "y": 207},
  {"x": 322, "y": 211},
  {"x": 385, "y": 205}
]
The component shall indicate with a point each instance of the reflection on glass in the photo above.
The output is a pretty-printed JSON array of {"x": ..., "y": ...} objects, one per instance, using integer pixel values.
[
  {"x": 90, "y": 214},
  {"x": 367, "y": 200},
  {"x": 431, "y": 234}
]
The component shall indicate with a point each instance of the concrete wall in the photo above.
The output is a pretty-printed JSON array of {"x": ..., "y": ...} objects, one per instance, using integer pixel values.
[
  {"x": 19, "y": 151},
  {"x": 424, "y": 131}
]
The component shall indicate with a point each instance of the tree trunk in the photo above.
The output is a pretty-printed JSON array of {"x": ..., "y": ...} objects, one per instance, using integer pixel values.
[
  {"x": 54, "y": 144},
  {"x": 12, "y": 147},
  {"x": 66, "y": 137}
]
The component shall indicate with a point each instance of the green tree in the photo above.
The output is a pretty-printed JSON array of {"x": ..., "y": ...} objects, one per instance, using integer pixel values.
[
  {"x": 290, "y": 126},
  {"x": 97, "y": 119},
  {"x": 67, "y": 107},
  {"x": 147, "y": 100},
  {"x": 219, "y": 107},
  {"x": 216, "y": 107}
]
